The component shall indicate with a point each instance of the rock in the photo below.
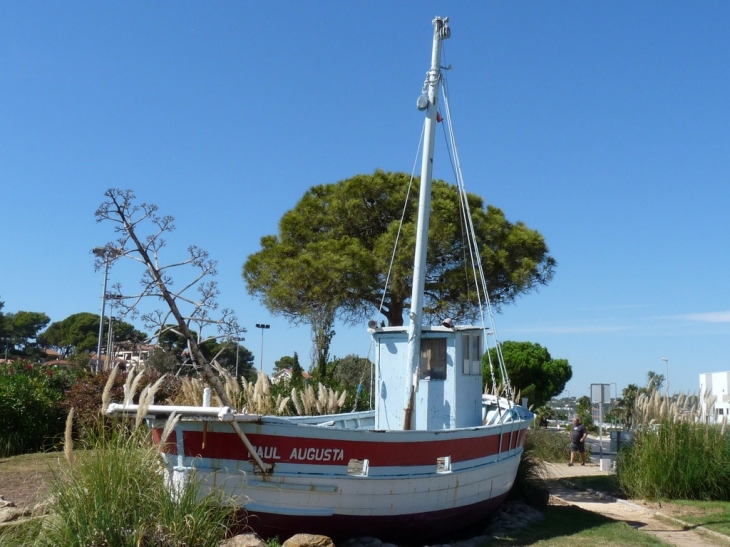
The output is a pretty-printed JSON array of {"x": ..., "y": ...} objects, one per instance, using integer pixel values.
[
  {"x": 472, "y": 542},
  {"x": 364, "y": 541},
  {"x": 512, "y": 516},
  {"x": 6, "y": 503},
  {"x": 308, "y": 540},
  {"x": 244, "y": 540},
  {"x": 10, "y": 513}
]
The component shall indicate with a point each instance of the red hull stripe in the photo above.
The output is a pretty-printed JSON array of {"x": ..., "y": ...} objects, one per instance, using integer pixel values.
[
  {"x": 170, "y": 444},
  {"x": 282, "y": 449}
]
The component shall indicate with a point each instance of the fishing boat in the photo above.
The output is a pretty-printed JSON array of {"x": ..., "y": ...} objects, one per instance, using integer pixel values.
[{"x": 434, "y": 455}]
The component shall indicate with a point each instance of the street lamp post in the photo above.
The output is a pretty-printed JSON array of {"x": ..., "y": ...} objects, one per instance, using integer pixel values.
[
  {"x": 113, "y": 301},
  {"x": 238, "y": 345},
  {"x": 666, "y": 361},
  {"x": 106, "y": 254},
  {"x": 262, "y": 327},
  {"x": 110, "y": 340}
]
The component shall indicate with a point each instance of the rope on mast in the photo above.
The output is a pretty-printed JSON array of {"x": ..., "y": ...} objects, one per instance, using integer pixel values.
[{"x": 477, "y": 268}]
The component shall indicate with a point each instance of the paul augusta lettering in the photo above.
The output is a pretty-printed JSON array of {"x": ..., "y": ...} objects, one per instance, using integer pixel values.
[{"x": 302, "y": 454}]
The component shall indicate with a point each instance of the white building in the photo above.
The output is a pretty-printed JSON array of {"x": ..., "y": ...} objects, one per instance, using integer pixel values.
[
  {"x": 137, "y": 356},
  {"x": 715, "y": 396},
  {"x": 285, "y": 375}
]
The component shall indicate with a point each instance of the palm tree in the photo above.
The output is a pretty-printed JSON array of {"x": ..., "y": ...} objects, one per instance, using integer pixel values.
[
  {"x": 584, "y": 411},
  {"x": 543, "y": 414},
  {"x": 625, "y": 405}
]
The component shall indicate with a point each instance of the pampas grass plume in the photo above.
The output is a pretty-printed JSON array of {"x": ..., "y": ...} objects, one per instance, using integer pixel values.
[
  {"x": 106, "y": 394},
  {"x": 68, "y": 442}
]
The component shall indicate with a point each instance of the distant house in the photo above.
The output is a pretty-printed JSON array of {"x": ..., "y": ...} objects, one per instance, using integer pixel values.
[
  {"x": 125, "y": 356},
  {"x": 715, "y": 396},
  {"x": 285, "y": 374},
  {"x": 53, "y": 355},
  {"x": 137, "y": 356}
]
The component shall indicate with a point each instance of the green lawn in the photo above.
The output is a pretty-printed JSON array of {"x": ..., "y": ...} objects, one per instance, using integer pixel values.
[
  {"x": 713, "y": 515},
  {"x": 570, "y": 526}
]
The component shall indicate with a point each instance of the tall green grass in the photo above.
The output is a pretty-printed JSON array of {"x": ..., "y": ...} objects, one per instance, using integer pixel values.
[
  {"x": 676, "y": 460},
  {"x": 675, "y": 454},
  {"x": 115, "y": 494}
]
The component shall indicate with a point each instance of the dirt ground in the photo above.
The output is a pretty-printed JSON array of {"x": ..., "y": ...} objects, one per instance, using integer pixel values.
[{"x": 24, "y": 480}]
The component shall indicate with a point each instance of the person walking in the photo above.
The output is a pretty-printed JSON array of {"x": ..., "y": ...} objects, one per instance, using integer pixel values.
[{"x": 578, "y": 442}]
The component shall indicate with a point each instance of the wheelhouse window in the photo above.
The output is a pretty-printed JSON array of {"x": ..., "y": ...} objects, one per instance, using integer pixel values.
[
  {"x": 433, "y": 358},
  {"x": 472, "y": 354}
]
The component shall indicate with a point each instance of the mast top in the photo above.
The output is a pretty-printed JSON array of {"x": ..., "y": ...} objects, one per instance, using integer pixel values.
[{"x": 441, "y": 25}]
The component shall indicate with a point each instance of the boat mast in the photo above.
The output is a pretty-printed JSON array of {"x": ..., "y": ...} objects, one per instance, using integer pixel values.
[{"x": 428, "y": 101}]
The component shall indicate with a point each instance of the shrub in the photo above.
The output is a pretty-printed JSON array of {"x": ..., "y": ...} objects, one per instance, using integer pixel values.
[
  {"x": 85, "y": 396},
  {"x": 529, "y": 485},
  {"x": 30, "y": 406},
  {"x": 548, "y": 445}
]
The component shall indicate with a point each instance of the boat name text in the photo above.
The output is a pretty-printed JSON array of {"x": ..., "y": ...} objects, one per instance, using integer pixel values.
[{"x": 302, "y": 454}]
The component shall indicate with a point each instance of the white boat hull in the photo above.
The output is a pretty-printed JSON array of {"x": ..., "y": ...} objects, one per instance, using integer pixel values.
[{"x": 347, "y": 482}]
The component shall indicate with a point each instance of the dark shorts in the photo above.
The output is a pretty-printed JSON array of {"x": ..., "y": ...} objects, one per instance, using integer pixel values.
[{"x": 578, "y": 447}]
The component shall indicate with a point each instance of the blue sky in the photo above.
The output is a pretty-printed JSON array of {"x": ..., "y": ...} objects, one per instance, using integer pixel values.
[{"x": 603, "y": 125}]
